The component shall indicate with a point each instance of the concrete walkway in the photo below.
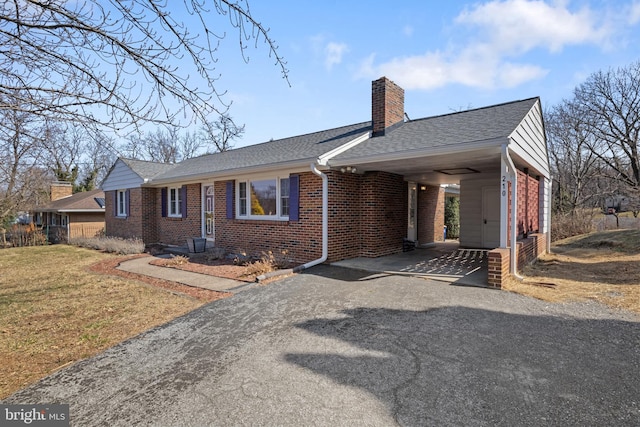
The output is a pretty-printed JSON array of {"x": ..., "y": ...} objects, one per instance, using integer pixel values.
[{"x": 142, "y": 266}]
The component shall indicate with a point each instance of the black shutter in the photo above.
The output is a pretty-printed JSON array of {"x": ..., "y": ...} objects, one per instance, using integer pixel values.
[
  {"x": 294, "y": 197},
  {"x": 230, "y": 185},
  {"x": 163, "y": 201}
]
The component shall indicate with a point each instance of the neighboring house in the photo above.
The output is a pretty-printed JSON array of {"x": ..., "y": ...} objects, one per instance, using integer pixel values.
[
  {"x": 356, "y": 190},
  {"x": 70, "y": 215}
]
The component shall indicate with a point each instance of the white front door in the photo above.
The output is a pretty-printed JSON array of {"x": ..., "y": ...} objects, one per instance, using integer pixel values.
[
  {"x": 412, "y": 227},
  {"x": 207, "y": 214},
  {"x": 490, "y": 217}
]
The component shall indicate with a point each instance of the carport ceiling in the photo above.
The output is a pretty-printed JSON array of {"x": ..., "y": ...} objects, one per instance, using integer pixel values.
[{"x": 425, "y": 169}]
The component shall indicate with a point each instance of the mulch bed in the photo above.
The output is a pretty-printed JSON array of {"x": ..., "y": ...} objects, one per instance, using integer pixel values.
[
  {"x": 108, "y": 267},
  {"x": 217, "y": 267}
]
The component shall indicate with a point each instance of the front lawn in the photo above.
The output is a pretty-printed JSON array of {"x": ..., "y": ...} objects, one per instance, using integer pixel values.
[{"x": 55, "y": 311}]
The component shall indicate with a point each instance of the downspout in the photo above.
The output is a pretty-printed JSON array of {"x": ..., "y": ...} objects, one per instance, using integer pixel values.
[
  {"x": 325, "y": 222},
  {"x": 549, "y": 201},
  {"x": 514, "y": 212}
]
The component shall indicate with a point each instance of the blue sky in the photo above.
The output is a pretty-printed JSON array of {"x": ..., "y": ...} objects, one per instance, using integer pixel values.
[{"x": 447, "y": 55}]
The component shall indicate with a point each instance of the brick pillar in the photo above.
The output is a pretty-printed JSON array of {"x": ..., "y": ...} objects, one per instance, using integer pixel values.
[
  {"x": 430, "y": 214},
  {"x": 387, "y": 105},
  {"x": 498, "y": 267}
]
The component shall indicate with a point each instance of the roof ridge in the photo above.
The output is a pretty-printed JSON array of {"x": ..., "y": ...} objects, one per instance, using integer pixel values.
[{"x": 502, "y": 104}]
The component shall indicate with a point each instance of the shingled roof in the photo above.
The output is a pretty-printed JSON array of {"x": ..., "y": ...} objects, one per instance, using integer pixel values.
[
  {"x": 86, "y": 201},
  {"x": 146, "y": 169},
  {"x": 483, "y": 124},
  {"x": 495, "y": 122},
  {"x": 301, "y": 149}
]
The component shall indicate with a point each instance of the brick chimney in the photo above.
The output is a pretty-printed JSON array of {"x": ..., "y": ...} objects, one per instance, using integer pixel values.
[
  {"x": 60, "y": 189},
  {"x": 387, "y": 105}
]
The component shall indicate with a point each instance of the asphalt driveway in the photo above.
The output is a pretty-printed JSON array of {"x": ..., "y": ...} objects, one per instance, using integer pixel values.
[{"x": 338, "y": 347}]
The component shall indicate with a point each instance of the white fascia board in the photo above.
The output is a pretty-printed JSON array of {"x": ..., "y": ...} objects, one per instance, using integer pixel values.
[
  {"x": 422, "y": 152},
  {"x": 291, "y": 167},
  {"x": 323, "y": 159}
]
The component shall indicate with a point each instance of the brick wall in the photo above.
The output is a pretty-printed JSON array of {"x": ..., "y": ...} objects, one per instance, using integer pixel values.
[
  {"x": 151, "y": 214},
  {"x": 176, "y": 231},
  {"x": 301, "y": 239},
  {"x": 124, "y": 227},
  {"x": 367, "y": 217},
  {"x": 528, "y": 204},
  {"x": 387, "y": 104},
  {"x": 345, "y": 237},
  {"x": 384, "y": 213},
  {"x": 529, "y": 249},
  {"x": 498, "y": 266},
  {"x": 430, "y": 214},
  {"x": 145, "y": 219}
]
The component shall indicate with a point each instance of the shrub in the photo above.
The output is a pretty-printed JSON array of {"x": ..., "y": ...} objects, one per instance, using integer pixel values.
[
  {"x": 176, "y": 260},
  {"x": 267, "y": 262},
  {"x": 110, "y": 244},
  {"x": 22, "y": 235},
  {"x": 452, "y": 217},
  {"x": 572, "y": 224}
]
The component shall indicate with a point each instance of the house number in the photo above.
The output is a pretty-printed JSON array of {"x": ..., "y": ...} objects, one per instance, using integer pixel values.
[{"x": 504, "y": 185}]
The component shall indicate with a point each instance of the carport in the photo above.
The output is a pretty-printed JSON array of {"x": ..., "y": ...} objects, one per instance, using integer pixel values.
[{"x": 498, "y": 157}]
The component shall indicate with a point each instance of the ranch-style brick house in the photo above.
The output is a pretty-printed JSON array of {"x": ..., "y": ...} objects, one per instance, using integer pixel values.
[{"x": 360, "y": 190}]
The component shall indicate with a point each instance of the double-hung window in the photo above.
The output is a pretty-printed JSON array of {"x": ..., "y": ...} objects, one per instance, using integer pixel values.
[
  {"x": 263, "y": 198},
  {"x": 121, "y": 203},
  {"x": 175, "y": 202}
]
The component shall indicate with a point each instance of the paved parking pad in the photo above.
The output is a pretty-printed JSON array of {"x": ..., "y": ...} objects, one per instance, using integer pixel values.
[{"x": 341, "y": 347}]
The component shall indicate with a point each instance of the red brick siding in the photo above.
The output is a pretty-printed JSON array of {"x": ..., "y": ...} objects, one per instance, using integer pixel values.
[
  {"x": 430, "y": 214},
  {"x": 367, "y": 217},
  {"x": 301, "y": 239},
  {"x": 498, "y": 266},
  {"x": 129, "y": 227},
  {"x": 151, "y": 213},
  {"x": 529, "y": 249},
  {"x": 176, "y": 231},
  {"x": 528, "y": 204},
  {"x": 384, "y": 213},
  {"x": 345, "y": 237}
]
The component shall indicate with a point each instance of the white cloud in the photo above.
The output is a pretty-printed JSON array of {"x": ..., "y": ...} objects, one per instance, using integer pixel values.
[
  {"x": 516, "y": 26},
  {"x": 490, "y": 55},
  {"x": 333, "y": 54},
  {"x": 436, "y": 69},
  {"x": 634, "y": 15}
]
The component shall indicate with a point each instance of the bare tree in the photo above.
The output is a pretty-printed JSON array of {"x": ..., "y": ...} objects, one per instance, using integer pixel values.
[
  {"x": 23, "y": 183},
  {"x": 219, "y": 134},
  {"x": 608, "y": 104},
  {"x": 119, "y": 63},
  {"x": 574, "y": 165}
]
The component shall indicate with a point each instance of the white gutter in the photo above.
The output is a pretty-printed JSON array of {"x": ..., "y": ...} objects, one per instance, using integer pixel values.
[
  {"x": 514, "y": 212},
  {"x": 325, "y": 221},
  {"x": 324, "y": 158}
]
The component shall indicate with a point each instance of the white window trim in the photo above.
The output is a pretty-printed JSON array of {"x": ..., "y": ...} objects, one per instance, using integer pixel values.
[
  {"x": 248, "y": 180},
  {"x": 121, "y": 204},
  {"x": 177, "y": 202}
]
